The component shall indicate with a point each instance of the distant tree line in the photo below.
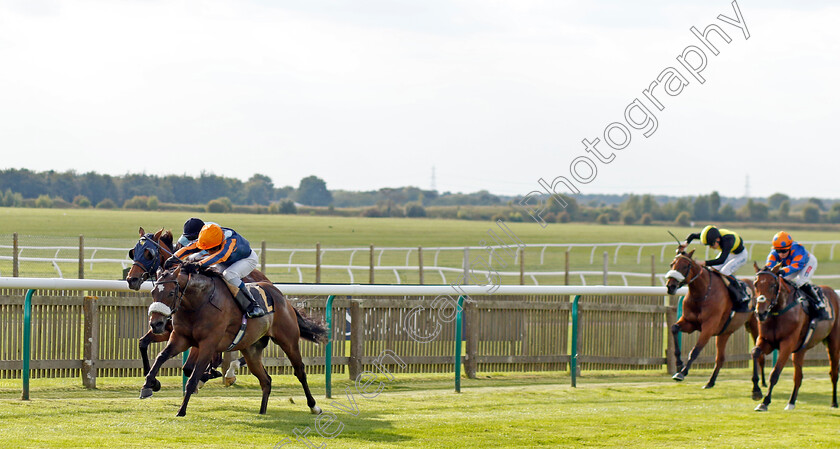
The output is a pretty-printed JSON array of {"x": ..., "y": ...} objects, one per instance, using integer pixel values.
[
  {"x": 645, "y": 209},
  {"x": 213, "y": 193}
]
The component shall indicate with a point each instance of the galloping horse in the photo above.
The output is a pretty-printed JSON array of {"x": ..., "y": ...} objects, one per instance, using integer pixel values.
[
  {"x": 707, "y": 308},
  {"x": 148, "y": 255},
  {"x": 204, "y": 315},
  {"x": 784, "y": 326}
]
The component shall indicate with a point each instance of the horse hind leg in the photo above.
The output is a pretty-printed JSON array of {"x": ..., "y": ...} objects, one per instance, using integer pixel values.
[
  {"x": 230, "y": 366},
  {"x": 253, "y": 357},
  {"x": 292, "y": 350},
  {"x": 720, "y": 358}
]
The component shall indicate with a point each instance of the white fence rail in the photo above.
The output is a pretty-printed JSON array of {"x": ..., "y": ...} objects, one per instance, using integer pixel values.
[{"x": 58, "y": 256}]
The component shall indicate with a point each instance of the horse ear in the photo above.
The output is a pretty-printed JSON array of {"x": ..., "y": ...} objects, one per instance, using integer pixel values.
[
  {"x": 142, "y": 232},
  {"x": 131, "y": 254},
  {"x": 166, "y": 237},
  {"x": 691, "y": 254},
  {"x": 776, "y": 268},
  {"x": 157, "y": 234},
  {"x": 756, "y": 267}
]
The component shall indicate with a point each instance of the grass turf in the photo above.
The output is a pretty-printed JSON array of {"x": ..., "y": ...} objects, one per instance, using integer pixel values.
[{"x": 627, "y": 409}]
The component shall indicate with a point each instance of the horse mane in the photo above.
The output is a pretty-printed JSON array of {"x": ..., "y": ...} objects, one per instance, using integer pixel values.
[
  {"x": 194, "y": 268},
  {"x": 167, "y": 237}
]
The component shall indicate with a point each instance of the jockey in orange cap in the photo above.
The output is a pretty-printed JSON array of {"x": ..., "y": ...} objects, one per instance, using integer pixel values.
[
  {"x": 226, "y": 248},
  {"x": 798, "y": 265}
]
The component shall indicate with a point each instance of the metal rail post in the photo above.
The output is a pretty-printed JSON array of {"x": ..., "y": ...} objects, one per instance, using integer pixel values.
[
  {"x": 574, "y": 352},
  {"x": 459, "y": 324}
]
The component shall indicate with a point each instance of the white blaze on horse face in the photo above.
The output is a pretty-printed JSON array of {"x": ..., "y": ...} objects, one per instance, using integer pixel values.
[
  {"x": 676, "y": 275},
  {"x": 761, "y": 299},
  {"x": 160, "y": 308}
]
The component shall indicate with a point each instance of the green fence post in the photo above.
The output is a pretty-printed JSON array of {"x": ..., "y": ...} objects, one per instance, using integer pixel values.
[
  {"x": 27, "y": 342},
  {"x": 574, "y": 352},
  {"x": 328, "y": 360},
  {"x": 459, "y": 324},
  {"x": 678, "y": 337},
  {"x": 184, "y": 375}
]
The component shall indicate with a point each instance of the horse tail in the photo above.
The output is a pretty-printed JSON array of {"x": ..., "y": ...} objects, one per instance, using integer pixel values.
[{"x": 310, "y": 329}]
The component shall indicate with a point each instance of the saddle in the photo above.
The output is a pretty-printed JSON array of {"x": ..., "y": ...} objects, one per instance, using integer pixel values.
[
  {"x": 739, "y": 293},
  {"x": 257, "y": 292}
]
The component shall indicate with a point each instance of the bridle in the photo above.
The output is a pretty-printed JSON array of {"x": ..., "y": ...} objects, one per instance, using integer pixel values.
[
  {"x": 680, "y": 277},
  {"x": 162, "y": 308},
  {"x": 760, "y": 299}
]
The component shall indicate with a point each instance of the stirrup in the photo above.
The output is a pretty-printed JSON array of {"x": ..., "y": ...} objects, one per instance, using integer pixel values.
[{"x": 254, "y": 311}]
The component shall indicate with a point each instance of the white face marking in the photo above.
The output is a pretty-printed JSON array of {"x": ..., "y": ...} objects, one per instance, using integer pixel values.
[{"x": 160, "y": 288}]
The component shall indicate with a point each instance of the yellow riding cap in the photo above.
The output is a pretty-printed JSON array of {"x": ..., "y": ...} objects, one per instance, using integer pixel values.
[{"x": 711, "y": 233}]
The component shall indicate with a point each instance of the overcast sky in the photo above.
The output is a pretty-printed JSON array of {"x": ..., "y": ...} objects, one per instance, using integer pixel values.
[{"x": 367, "y": 94}]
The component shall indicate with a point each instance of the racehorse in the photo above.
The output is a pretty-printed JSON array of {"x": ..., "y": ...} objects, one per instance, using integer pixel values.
[
  {"x": 205, "y": 315},
  {"x": 707, "y": 308},
  {"x": 148, "y": 256},
  {"x": 785, "y": 325}
]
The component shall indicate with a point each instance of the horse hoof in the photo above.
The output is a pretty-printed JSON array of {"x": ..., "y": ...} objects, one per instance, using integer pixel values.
[
  {"x": 761, "y": 407},
  {"x": 146, "y": 393},
  {"x": 230, "y": 381},
  {"x": 181, "y": 414},
  {"x": 790, "y": 406},
  {"x": 756, "y": 395},
  {"x": 200, "y": 384},
  {"x": 679, "y": 377},
  {"x": 156, "y": 386},
  {"x": 707, "y": 386},
  {"x": 315, "y": 410}
]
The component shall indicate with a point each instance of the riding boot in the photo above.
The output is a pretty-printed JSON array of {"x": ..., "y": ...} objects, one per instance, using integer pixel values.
[
  {"x": 247, "y": 303},
  {"x": 816, "y": 301}
]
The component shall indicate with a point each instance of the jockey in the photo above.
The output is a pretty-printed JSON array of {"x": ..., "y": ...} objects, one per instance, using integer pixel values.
[
  {"x": 798, "y": 265},
  {"x": 191, "y": 229},
  {"x": 733, "y": 255},
  {"x": 233, "y": 253}
]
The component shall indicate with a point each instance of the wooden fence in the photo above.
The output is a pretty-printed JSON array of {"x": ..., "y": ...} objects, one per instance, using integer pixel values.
[{"x": 95, "y": 334}]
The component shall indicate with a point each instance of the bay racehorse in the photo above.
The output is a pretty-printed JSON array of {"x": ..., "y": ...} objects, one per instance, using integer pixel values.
[
  {"x": 205, "y": 316},
  {"x": 148, "y": 256},
  {"x": 785, "y": 325},
  {"x": 708, "y": 309}
]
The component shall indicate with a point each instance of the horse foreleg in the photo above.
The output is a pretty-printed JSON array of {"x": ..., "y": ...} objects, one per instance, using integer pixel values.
[
  {"x": 752, "y": 328},
  {"x": 784, "y": 354},
  {"x": 675, "y": 331},
  {"x": 704, "y": 337},
  {"x": 720, "y": 357},
  {"x": 143, "y": 345},
  {"x": 253, "y": 357},
  {"x": 175, "y": 346},
  {"x": 798, "y": 359},
  {"x": 758, "y": 358},
  {"x": 202, "y": 361}
]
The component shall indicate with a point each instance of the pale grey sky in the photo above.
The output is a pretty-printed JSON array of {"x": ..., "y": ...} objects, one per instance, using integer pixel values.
[{"x": 373, "y": 93}]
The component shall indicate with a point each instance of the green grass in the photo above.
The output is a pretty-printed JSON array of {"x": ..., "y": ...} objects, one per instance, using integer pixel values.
[
  {"x": 118, "y": 229},
  {"x": 635, "y": 409}
]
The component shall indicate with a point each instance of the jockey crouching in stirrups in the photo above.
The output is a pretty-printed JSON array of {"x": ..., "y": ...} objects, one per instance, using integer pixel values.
[
  {"x": 798, "y": 265},
  {"x": 733, "y": 255},
  {"x": 232, "y": 252}
]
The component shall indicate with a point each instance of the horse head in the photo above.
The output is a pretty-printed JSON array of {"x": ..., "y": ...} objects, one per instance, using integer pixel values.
[
  {"x": 681, "y": 268},
  {"x": 149, "y": 253},
  {"x": 770, "y": 288},
  {"x": 168, "y": 294}
]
